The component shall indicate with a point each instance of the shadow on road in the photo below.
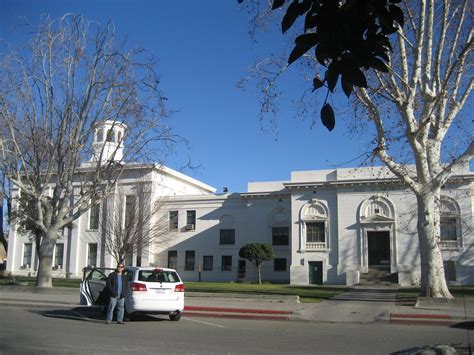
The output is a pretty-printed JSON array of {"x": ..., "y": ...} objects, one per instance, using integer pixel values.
[
  {"x": 434, "y": 349},
  {"x": 92, "y": 314},
  {"x": 468, "y": 325}
]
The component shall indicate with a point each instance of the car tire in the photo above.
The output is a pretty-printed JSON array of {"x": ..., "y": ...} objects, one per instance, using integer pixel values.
[
  {"x": 175, "y": 316},
  {"x": 129, "y": 316}
]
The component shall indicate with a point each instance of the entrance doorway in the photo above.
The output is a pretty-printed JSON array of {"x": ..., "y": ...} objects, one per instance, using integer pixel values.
[
  {"x": 378, "y": 248},
  {"x": 315, "y": 272}
]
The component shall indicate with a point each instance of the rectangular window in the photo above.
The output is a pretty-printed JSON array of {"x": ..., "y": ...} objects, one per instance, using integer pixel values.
[
  {"x": 190, "y": 220},
  {"x": 227, "y": 236},
  {"x": 130, "y": 211},
  {"x": 315, "y": 232},
  {"x": 27, "y": 255},
  {"x": 92, "y": 254},
  {"x": 448, "y": 228},
  {"x": 280, "y": 235},
  {"x": 59, "y": 256},
  {"x": 279, "y": 264},
  {"x": 226, "y": 263},
  {"x": 207, "y": 262},
  {"x": 129, "y": 259},
  {"x": 173, "y": 259},
  {"x": 94, "y": 217},
  {"x": 190, "y": 260},
  {"x": 173, "y": 220}
]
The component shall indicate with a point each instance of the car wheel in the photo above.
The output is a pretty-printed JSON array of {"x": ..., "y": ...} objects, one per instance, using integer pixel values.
[
  {"x": 128, "y": 315},
  {"x": 175, "y": 316}
]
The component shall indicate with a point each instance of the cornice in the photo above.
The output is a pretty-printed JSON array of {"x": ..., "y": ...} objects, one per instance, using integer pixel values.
[{"x": 364, "y": 182}]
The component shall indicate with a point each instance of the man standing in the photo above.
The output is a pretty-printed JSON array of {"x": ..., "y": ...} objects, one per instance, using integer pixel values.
[{"x": 116, "y": 287}]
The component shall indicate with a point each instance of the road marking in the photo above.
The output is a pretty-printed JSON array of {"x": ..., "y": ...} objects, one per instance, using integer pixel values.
[{"x": 198, "y": 321}]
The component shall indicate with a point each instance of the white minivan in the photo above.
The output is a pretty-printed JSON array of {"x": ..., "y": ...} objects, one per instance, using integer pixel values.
[{"x": 149, "y": 290}]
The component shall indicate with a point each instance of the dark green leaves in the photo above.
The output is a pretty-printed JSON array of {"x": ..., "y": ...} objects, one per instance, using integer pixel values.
[
  {"x": 332, "y": 74},
  {"x": 290, "y": 16},
  {"x": 397, "y": 14},
  {"x": 348, "y": 37},
  {"x": 355, "y": 76},
  {"x": 303, "y": 44},
  {"x": 277, "y": 4},
  {"x": 327, "y": 117},
  {"x": 317, "y": 83},
  {"x": 347, "y": 86}
]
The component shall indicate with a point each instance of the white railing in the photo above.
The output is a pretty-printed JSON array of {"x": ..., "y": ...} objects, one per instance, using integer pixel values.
[
  {"x": 315, "y": 246},
  {"x": 448, "y": 244}
]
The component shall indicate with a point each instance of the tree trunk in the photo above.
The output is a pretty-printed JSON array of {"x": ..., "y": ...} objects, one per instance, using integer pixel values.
[
  {"x": 3, "y": 238},
  {"x": 43, "y": 278},
  {"x": 259, "y": 273},
  {"x": 433, "y": 282}
]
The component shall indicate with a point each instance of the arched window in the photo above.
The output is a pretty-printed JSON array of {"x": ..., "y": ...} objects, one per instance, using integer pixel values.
[
  {"x": 110, "y": 135},
  {"x": 314, "y": 218},
  {"x": 450, "y": 220},
  {"x": 377, "y": 206},
  {"x": 100, "y": 135}
]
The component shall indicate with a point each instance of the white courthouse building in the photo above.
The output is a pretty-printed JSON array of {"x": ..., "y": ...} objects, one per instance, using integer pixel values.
[{"x": 337, "y": 226}]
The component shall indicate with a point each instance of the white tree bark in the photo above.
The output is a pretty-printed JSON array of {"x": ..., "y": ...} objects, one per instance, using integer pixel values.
[{"x": 429, "y": 83}]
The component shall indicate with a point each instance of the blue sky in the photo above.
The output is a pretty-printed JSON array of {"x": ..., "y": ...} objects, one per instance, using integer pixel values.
[{"x": 204, "y": 49}]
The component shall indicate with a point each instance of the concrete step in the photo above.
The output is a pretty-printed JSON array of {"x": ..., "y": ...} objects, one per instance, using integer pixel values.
[{"x": 378, "y": 275}]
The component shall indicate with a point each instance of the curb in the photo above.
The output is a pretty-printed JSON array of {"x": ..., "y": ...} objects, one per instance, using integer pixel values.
[
  {"x": 237, "y": 313},
  {"x": 423, "y": 319},
  {"x": 33, "y": 289}
]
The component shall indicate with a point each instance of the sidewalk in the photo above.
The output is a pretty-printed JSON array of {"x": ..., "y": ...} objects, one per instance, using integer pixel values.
[{"x": 361, "y": 305}]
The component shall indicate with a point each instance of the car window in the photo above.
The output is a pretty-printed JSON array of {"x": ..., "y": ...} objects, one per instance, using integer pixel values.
[
  {"x": 99, "y": 275},
  {"x": 158, "y": 276}
]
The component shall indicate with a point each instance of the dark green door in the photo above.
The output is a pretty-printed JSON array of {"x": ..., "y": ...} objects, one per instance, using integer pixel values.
[{"x": 315, "y": 272}]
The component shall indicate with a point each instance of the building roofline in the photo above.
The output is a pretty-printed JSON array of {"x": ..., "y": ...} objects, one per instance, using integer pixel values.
[
  {"x": 376, "y": 181},
  {"x": 184, "y": 177},
  {"x": 163, "y": 168}
]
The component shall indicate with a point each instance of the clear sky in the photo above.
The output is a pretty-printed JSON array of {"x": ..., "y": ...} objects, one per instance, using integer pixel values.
[{"x": 204, "y": 50}]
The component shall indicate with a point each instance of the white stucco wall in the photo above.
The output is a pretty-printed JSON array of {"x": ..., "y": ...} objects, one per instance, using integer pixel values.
[{"x": 342, "y": 193}]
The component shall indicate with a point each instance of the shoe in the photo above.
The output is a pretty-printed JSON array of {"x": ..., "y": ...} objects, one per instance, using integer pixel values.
[
  {"x": 122, "y": 323},
  {"x": 108, "y": 322}
]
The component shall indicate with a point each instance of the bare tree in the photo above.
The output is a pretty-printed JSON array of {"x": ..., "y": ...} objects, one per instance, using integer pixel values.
[
  {"x": 132, "y": 224},
  {"x": 54, "y": 96},
  {"x": 416, "y": 106}
]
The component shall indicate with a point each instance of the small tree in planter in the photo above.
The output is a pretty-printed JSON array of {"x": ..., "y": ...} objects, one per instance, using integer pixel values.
[{"x": 257, "y": 253}]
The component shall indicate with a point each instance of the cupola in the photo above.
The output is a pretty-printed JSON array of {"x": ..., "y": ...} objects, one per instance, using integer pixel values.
[{"x": 108, "y": 142}]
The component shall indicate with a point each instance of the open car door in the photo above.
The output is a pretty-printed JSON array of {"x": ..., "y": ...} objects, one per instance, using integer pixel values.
[{"x": 93, "y": 290}]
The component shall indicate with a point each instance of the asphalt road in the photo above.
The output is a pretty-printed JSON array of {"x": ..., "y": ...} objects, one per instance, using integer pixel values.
[{"x": 30, "y": 330}]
